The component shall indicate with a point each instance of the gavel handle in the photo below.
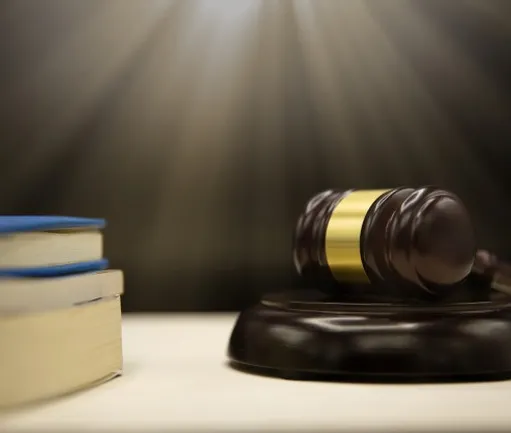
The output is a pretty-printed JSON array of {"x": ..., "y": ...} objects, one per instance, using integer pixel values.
[
  {"x": 501, "y": 280},
  {"x": 495, "y": 271}
]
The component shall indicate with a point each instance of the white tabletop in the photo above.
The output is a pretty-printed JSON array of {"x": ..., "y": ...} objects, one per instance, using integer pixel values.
[{"x": 176, "y": 380}]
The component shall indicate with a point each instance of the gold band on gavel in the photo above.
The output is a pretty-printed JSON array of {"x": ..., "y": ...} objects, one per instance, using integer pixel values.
[{"x": 342, "y": 241}]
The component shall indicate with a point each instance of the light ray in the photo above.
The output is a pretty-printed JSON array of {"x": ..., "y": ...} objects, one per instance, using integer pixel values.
[{"x": 183, "y": 113}]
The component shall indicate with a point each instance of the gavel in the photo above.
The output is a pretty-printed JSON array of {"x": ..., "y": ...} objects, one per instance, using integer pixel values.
[
  {"x": 396, "y": 289},
  {"x": 408, "y": 242}
]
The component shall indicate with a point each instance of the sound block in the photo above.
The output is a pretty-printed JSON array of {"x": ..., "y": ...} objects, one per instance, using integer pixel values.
[{"x": 304, "y": 335}]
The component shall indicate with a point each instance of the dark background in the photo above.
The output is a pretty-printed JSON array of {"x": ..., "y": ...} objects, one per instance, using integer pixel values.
[{"x": 200, "y": 128}]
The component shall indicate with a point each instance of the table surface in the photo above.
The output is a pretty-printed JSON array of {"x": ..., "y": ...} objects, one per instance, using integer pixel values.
[{"x": 176, "y": 379}]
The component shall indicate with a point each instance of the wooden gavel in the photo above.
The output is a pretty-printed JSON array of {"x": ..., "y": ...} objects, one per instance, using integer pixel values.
[{"x": 420, "y": 239}]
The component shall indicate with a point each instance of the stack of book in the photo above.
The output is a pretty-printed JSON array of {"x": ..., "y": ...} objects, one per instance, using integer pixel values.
[{"x": 60, "y": 311}]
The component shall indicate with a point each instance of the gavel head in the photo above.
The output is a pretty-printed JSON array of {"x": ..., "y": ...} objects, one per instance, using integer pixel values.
[{"x": 404, "y": 236}]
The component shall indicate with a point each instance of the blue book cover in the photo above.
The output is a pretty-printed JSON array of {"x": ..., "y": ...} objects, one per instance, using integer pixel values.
[
  {"x": 28, "y": 223},
  {"x": 55, "y": 270}
]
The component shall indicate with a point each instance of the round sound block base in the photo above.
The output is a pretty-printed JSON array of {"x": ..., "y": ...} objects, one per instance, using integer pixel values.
[{"x": 300, "y": 335}]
